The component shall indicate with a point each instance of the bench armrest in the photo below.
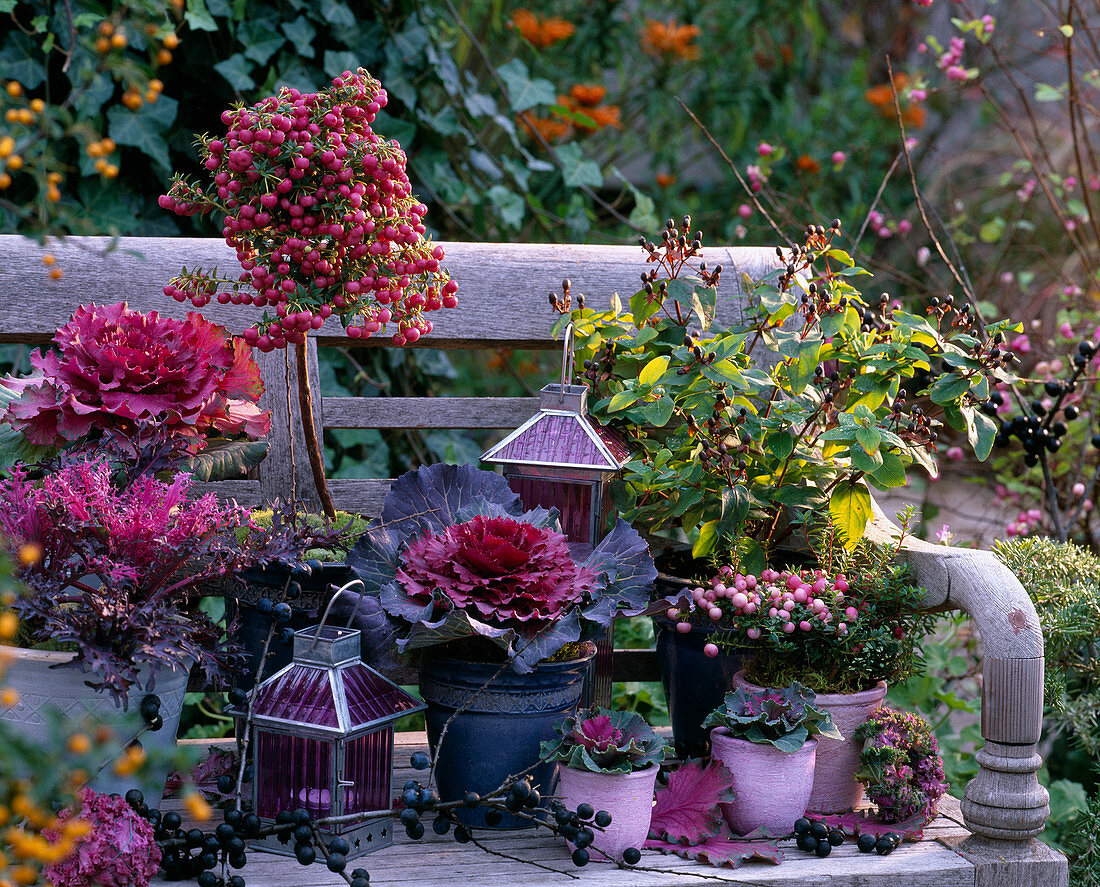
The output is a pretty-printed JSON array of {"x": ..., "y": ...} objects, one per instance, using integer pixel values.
[{"x": 1005, "y": 800}]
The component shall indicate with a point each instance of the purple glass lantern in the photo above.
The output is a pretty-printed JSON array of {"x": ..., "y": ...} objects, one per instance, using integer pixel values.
[
  {"x": 322, "y": 739},
  {"x": 560, "y": 458}
]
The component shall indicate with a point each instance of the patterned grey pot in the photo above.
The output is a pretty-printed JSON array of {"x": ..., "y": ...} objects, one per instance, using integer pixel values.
[
  {"x": 43, "y": 687},
  {"x": 500, "y": 721}
]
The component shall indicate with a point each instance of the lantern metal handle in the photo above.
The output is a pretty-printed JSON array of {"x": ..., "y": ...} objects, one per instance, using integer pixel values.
[
  {"x": 566, "y": 361},
  {"x": 345, "y": 587}
]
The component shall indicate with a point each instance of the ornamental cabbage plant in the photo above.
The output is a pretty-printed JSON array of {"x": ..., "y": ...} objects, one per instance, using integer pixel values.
[
  {"x": 784, "y": 718},
  {"x": 454, "y": 557},
  {"x": 119, "y": 373},
  {"x": 604, "y": 741}
]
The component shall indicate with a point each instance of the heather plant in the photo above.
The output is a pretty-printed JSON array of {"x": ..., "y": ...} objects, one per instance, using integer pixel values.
[
  {"x": 603, "y": 741},
  {"x": 732, "y": 422},
  {"x": 125, "y": 376},
  {"x": 453, "y": 557},
  {"x": 900, "y": 765},
  {"x": 784, "y": 718}
]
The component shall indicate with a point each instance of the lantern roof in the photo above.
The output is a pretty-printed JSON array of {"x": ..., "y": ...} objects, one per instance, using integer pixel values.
[
  {"x": 561, "y": 435},
  {"x": 328, "y": 690}
]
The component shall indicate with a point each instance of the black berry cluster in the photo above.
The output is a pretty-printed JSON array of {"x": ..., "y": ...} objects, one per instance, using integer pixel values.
[{"x": 816, "y": 837}]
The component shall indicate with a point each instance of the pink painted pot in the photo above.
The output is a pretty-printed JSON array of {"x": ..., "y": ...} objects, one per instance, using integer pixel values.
[
  {"x": 771, "y": 787},
  {"x": 628, "y": 797},
  {"x": 835, "y": 787}
]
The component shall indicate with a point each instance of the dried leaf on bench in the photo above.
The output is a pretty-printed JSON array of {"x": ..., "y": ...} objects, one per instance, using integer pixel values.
[
  {"x": 725, "y": 849},
  {"x": 686, "y": 810}
]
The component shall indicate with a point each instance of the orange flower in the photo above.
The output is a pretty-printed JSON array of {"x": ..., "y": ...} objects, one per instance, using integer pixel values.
[
  {"x": 605, "y": 115},
  {"x": 590, "y": 95},
  {"x": 669, "y": 38},
  {"x": 664, "y": 179},
  {"x": 550, "y": 130},
  {"x": 541, "y": 32},
  {"x": 807, "y": 164},
  {"x": 914, "y": 116},
  {"x": 880, "y": 96}
]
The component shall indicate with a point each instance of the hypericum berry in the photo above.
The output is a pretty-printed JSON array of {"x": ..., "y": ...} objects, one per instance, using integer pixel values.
[
  {"x": 471, "y": 799},
  {"x": 305, "y": 854},
  {"x": 420, "y": 761},
  {"x": 801, "y": 826},
  {"x": 823, "y": 849},
  {"x": 819, "y": 830},
  {"x": 441, "y": 825},
  {"x": 884, "y": 845},
  {"x": 632, "y": 855},
  {"x": 580, "y": 857},
  {"x": 836, "y": 837},
  {"x": 585, "y": 811},
  {"x": 865, "y": 842},
  {"x": 806, "y": 842},
  {"x": 603, "y": 818}
]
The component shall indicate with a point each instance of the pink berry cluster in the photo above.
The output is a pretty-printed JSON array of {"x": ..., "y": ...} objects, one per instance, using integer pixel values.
[
  {"x": 320, "y": 211},
  {"x": 773, "y": 603}
]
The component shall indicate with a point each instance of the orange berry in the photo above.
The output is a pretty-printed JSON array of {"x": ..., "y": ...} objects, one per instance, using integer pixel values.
[
  {"x": 108, "y": 145},
  {"x": 79, "y": 744},
  {"x": 164, "y": 57},
  {"x": 156, "y": 85},
  {"x": 151, "y": 29},
  {"x": 15, "y": 162},
  {"x": 14, "y": 88},
  {"x": 118, "y": 40},
  {"x": 53, "y": 195},
  {"x": 171, "y": 41},
  {"x": 101, "y": 165},
  {"x": 151, "y": 96},
  {"x": 9, "y": 697},
  {"x": 7, "y": 145},
  {"x": 111, "y": 171},
  {"x": 132, "y": 100},
  {"x": 30, "y": 553},
  {"x": 49, "y": 259},
  {"x": 26, "y": 116},
  {"x": 5, "y": 180},
  {"x": 102, "y": 45},
  {"x": 56, "y": 274},
  {"x": 9, "y": 625},
  {"x": 53, "y": 178},
  {"x": 38, "y": 106},
  {"x": 197, "y": 806},
  {"x": 105, "y": 28}
]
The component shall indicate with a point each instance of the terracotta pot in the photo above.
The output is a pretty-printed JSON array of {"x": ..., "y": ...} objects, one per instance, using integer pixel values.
[
  {"x": 835, "y": 787},
  {"x": 771, "y": 787},
  {"x": 628, "y": 797},
  {"x": 42, "y": 687}
]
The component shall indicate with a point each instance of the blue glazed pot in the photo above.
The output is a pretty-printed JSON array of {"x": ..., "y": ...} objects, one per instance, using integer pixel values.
[
  {"x": 503, "y": 719},
  {"x": 695, "y": 684}
]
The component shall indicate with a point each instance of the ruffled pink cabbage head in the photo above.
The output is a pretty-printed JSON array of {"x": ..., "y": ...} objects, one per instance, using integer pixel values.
[
  {"x": 496, "y": 569},
  {"x": 116, "y": 367}
]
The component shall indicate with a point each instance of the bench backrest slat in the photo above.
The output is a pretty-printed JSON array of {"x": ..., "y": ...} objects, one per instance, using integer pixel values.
[{"x": 503, "y": 303}]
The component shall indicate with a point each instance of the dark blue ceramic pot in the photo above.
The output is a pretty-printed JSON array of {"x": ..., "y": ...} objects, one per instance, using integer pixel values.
[
  {"x": 501, "y": 720},
  {"x": 695, "y": 684}
]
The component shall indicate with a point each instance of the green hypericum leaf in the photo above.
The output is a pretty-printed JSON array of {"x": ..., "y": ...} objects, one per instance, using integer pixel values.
[
  {"x": 659, "y": 411},
  {"x": 866, "y": 462},
  {"x": 980, "y": 431},
  {"x": 949, "y": 388},
  {"x": 850, "y": 511},
  {"x": 801, "y": 370},
  {"x": 868, "y": 438},
  {"x": 780, "y": 444},
  {"x": 841, "y": 256},
  {"x": 691, "y": 295},
  {"x": 621, "y": 401},
  {"x": 735, "y": 508},
  {"x": 653, "y": 370},
  {"x": 708, "y": 535},
  {"x": 525, "y": 92},
  {"x": 891, "y": 473},
  {"x": 642, "y": 307}
]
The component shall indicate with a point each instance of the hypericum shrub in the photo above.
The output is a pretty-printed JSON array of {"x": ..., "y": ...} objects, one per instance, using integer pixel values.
[
  {"x": 735, "y": 415},
  {"x": 320, "y": 211}
]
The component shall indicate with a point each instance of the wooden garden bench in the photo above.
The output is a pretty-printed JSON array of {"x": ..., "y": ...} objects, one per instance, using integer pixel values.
[{"x": 503, "y": 304}]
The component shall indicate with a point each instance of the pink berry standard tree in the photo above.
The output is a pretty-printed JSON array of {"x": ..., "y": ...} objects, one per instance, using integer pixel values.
[{"x": 321, "y": 213}]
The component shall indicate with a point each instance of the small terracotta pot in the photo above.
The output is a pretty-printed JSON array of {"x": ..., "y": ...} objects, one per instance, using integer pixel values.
[
  {"x": 835, "y": 787},
  {"x": 628, "y": 797},
  {"x": 771, "y": 787}
]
